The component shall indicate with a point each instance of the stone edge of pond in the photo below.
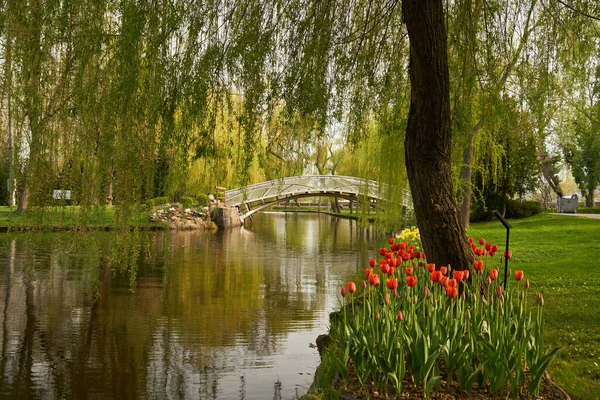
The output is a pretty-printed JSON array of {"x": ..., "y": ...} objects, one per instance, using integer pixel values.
[{"x": 97, "y": 228}]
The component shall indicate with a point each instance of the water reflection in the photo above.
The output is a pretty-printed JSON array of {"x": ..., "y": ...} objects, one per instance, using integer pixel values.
[{"x": 226, "y": 315}]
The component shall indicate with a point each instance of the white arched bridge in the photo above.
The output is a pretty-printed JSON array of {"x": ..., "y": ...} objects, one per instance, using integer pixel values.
[{"x": 253, "y": 198}]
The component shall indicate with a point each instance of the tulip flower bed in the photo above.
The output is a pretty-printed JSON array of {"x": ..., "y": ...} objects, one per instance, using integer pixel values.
[{"x": 416, "y": 324}]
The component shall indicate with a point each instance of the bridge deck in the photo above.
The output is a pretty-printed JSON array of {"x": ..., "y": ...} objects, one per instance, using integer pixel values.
[{"x": 307, "y": 184}]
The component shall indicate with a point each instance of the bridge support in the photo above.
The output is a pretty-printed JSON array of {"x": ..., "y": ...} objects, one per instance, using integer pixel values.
[{"x": 226, "y": 217}]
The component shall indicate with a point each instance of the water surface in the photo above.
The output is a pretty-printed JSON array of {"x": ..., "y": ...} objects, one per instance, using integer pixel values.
[{"x": 226, "y": 315}]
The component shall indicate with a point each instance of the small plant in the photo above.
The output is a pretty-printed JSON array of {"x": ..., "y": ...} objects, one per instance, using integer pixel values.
[
  {"x": 157, "y": 201},
  {"x": 186, "y": 202},
  {"x": 429, "y": 322},
  {"x": 202, "y": 200}
]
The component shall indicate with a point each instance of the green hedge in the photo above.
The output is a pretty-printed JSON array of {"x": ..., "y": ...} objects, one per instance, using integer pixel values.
[
  {"x": 588, "y": 210},
  {"x": 514, "y": 209}
]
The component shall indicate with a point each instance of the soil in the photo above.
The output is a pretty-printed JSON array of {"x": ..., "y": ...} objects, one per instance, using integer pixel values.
[{"x": 548, "y": 391}]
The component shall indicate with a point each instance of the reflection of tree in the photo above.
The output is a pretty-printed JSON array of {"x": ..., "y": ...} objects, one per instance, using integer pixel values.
[{"x": 205, "y": 305}]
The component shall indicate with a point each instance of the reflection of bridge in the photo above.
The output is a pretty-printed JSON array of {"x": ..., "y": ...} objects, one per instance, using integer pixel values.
[{"x": 253, "y": 198}]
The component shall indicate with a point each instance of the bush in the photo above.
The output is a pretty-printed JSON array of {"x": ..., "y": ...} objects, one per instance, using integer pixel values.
[
  {"x": 157, "y": 201},
  {"x": 588, "y": 210},
  {"x": 514, "y": 209},
  {"x": 202, "y": 200},
  {"x": 522, "y": 209},
  {"x": 186, "y": 202}
]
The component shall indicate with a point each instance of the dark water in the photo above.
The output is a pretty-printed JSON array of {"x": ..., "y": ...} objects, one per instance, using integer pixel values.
[{"x": 227, "y": 315}]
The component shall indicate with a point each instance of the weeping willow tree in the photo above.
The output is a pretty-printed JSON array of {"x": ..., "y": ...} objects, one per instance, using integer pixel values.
[{"x": 116, "y": 99}]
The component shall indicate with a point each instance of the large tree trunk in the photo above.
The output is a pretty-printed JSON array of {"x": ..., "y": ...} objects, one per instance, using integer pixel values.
[{"x": 427, "y": 144}]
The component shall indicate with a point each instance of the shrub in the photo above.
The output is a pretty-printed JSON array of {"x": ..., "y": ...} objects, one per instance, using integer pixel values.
[
  {"x": 588, "y": 210},
  {"x": 186, "y": 202},
  {"x": 514, "y": 209},
  {"x": 522, "y": 209},
  {"x": 202, "y": 200},
  {"x": 157, "y": 201}
]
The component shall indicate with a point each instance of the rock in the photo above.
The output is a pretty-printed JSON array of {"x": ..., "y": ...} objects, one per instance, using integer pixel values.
[{"x": 322, "y": 342}]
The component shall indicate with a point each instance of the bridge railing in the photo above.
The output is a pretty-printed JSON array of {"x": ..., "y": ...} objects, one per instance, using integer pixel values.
[{"x": 307, "y": 184}]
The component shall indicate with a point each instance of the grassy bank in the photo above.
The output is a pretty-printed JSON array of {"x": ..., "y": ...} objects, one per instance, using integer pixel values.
[
  {"x": 68, "y": 217},
  {"x": 560, "y": 255}
]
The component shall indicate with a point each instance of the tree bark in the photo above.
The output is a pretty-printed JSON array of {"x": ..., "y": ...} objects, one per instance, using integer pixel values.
[
  {"x": 428, "y": 137},
  {"x": 24, "y": 198}
]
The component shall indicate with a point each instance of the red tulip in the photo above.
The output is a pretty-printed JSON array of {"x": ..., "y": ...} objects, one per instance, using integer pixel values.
[
  {"x": 421, "y": 263},
  {"x": 392, "y": 283},
  {"x": 459, "y": 275},
  {"x": 369, "y": 271},
  {"x": 391, "y": 240},
  {"x": 411, "y": 281},
  {"x": 478, "y": 265},
  {"x": 526, "y": 283},
  {"x": 443, "y": 270},
  {"x": 343, "y": 291},
  {"x": 382, "y": 251},
  {"x": 489, "y": 281},
  {"x": 451, "y": 291},
  {"x": 395, "y": 247},
  {"x": 519, "y": 275},
  {"x": 471, "y": 240},
  {"x": 430, "y": 267},
  {"x": 405, "y": 256},
  {"x": 452, "y": 282},
  {"x": 383, "y": 268},
  {"x": 494, "y": 274},
  {"x": 400, "y": 316},
  {"x": 481, "y": 241},
  {"x": 403, "y": 245},
  {"x": 391, "y": 262},
  {"x": 408, "y": 271},
  {"x": 374, "y": 280},
  {"x": 499, "y": 291},
  {"x": 444, "y": 281},
  {"x": 488, "y": 246},
  {"x": 372, "y": 263},
  {"x": 391, "y": 271},
  {"x": 509, "y": 254},
  {"x": 436, "y": 276},
  {"x": 467, "y": 273},
  {"x": 351, "y": 287}
]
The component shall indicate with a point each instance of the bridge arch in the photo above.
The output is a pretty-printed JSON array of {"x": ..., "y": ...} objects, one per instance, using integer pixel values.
[{"x": 253, "y": 198}]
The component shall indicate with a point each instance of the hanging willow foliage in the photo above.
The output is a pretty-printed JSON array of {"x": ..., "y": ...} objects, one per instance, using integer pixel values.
[{"x": 117, "y": 99}]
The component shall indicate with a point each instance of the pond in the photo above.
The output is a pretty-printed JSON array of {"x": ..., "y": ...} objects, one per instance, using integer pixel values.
[{"x": 225, "y": 315}]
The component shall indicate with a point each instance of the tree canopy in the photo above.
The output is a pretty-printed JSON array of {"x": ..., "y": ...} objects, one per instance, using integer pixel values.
[{"x": 130, "y": 99}]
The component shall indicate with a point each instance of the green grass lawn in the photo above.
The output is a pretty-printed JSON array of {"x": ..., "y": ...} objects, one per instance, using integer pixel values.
[
  {"x": 561, "y": 257},
  {"x": 64, "y": 217}
]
